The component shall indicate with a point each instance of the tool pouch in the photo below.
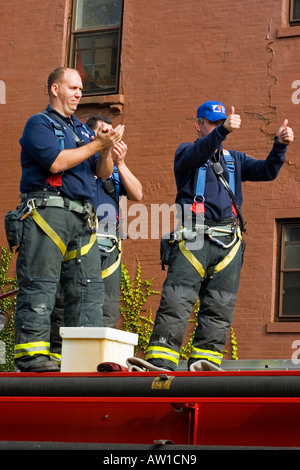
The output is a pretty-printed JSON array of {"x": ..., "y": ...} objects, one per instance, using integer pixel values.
[
  {"x": 14, "y": 223},
  {"x": 166, "y": 247}
]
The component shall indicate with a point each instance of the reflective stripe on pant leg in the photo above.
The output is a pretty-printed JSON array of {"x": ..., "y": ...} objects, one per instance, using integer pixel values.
[
  {"x": 158, "y": 352},
  {"x": 212, "y": 356},
  {"x": 56, "y": 357},
  {"x": 30, "y": 349}
]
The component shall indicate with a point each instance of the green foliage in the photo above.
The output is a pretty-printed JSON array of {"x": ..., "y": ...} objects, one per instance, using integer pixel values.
[
  {"x": 134, "y": 295},
  {"x": 8, "y": 308},
  {"x": 233, "y": 345}
]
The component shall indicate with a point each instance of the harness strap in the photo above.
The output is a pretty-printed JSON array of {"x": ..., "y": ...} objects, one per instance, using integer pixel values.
[
  {"x": 227, "y": 260},
  {"x": 231, "y": 169},
  {"x": 111, "y": 269},
  {"x": 222, "y": 265},
  {"x": 191, "y": 258},
  {"x": 198, "y": 205},
  {"x": 49, "y": 231},
  {"x": 58, "y": 131},
  {"x": 83, "y": 250},
  {"x": 40, "y": 221},
  {"x": 64, "y": 203},
  {"x": 200, "y": 186}
]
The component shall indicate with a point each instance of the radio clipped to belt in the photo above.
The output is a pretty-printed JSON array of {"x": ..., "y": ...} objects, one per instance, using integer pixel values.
[{"x": 13, "y": 222}]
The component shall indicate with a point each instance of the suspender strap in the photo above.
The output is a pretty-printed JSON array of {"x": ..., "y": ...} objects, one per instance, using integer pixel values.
[
  {"x": 200, "y": 186},
  {"x": 58, "y": 130},
  {"x": 58, "y": 122},
  {"x": 198, "y": 205},
  {"x": 231, "y": 169}
]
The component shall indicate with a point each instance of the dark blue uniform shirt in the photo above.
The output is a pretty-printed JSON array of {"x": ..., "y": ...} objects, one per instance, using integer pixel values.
[
  {"x": 105, "y": 206},
  {"x": 40, "y": 148},
  {"x": 189, "y": 157}
]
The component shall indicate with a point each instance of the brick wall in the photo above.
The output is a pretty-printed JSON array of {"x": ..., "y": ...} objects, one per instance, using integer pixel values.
[{"x": 175, "y": 55}]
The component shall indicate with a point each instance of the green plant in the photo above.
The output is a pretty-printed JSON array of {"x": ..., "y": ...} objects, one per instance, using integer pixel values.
[
  {"x": 8, "y": 285},
  {"x": 134, "y": 294},
  {"x": 233, "y": 345}
]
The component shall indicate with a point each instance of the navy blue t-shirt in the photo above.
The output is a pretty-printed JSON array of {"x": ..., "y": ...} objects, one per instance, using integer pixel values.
[
  {"x": 218, "y": 206},
  {"x": 39, "y": 149}
]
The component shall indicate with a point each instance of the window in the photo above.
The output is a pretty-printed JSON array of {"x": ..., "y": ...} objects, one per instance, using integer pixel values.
[
  {"x": 96, "y": 44},
  {"x": 295, "y": 11},
  {"x": 289, "y": 271}
]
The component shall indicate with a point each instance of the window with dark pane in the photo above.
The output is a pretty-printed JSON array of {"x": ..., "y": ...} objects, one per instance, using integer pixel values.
[
  {"x": 96, "y": 44},
  {"x": 289, "y": 298},
  {"x": 295, "y": 11}
]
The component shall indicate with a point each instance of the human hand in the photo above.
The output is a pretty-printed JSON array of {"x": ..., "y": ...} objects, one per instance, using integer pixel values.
[
  {"x": 118, "y": 152},
  {"x": 107, "y": 137},
  {"x": 285, "y": 134},
  {"x": 233, "y": 121}
]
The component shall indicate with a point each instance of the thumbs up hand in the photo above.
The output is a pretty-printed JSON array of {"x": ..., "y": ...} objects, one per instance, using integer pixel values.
[
  {"x": 285, "y": 134},
  {"x": 233, "y": 121}
]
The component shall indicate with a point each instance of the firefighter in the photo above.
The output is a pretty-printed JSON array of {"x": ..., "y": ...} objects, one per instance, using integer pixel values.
[
  {"x": 205, "y": 253},
  {"x": 105, "y": 200},
  {"x": 122, "y": 182},
  {"x": 58, "y": 162}
]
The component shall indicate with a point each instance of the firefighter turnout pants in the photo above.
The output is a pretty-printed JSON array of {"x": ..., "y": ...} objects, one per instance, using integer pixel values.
[
  {"x": 211, "y": 274},
  {"x": 42, "y": 265},
  {"x": 111, "y": 273}
]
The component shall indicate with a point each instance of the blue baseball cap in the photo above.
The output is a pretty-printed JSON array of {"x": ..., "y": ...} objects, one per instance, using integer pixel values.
[{"x": 211, "y": 110}]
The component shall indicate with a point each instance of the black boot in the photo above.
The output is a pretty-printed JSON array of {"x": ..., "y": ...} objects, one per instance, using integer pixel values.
[{"x": 37, "y": 364}]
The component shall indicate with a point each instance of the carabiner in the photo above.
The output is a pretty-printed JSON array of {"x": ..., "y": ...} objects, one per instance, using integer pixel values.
[
  {"x": 219, "y": 242},
  {"x": 29, "y": 208}
]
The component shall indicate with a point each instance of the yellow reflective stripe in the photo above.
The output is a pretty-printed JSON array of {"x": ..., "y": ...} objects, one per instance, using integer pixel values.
[
  {"x": 111, "y": 269},
  {"x": 83, "y": 251},
  {"x": 30, "y": 349},
  {"x": 158, "y": 352},
  {"x": 227, "y": 260},
  {"x": 212, "y": 356},
  {"x": 49, "y": 231},
  {"x": 56, "y": 356},
  {"x": 191, "y": 258}
]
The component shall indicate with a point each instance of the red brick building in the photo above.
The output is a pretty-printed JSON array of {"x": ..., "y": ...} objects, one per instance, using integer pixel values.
[{"x": 148, "y": 65}]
